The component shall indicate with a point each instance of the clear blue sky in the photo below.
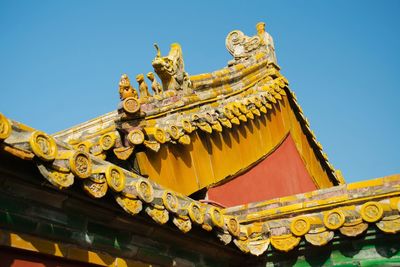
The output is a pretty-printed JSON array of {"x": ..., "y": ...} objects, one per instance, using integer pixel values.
[{"x": 60, "y": 62}]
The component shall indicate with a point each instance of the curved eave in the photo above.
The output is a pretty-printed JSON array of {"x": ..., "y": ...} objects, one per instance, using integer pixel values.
[
  {"x": 250, "y": 89},
  {"x": 62, "y": 166},
  {"x": 317, "y": 217}
]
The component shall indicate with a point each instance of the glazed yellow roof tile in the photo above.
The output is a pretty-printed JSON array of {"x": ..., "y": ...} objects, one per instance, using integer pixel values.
[
  {"x": 63, "y": 166},
  {"x": 213, "y": 93},
  {"x": 315, "y": 216},
  {"x": 249, "y": 88}
]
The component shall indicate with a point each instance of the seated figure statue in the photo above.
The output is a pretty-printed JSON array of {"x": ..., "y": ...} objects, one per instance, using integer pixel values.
[
  {"x": 125, "y": 88},
  {"x": 266, "y": 39}
]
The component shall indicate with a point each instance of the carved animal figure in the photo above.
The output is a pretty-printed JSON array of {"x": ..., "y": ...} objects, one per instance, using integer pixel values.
[
  {"x": 155, "y": 86},
  {"x": 143, "y": 89},
  {"x": 171, "y": 70},
  {"x": 125, "y": 88}
]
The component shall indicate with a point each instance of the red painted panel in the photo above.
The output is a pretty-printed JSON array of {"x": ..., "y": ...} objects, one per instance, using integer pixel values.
[{"x": 280, "y": 174}]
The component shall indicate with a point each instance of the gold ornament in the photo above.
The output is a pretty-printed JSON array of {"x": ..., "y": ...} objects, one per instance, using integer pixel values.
[
  {"x": 170, "y": 201},
  {"x": 96, "y": 190},
  {"x": 57, "y": 178},
  {"x": 258, "y": 247},
  {"x": 321, "y": 238},
  {"x": 243, "y": 245},
  {"x": 242, "y": 108},
  {"x": 132, "y": 206},
  {"x": 228, "y": 113},
  {"x": 153, "y": 145},
  {"x": 136, "y": 137},
  {"x": 257, "y": 102},
  {"x": 371, "y": 211},
  {"x": 250, "y": 115},
  {"x": 174, "y": 132},
  {"x": 183, "y": 224},
  {"x": 81, "y": 164},
  {"x": 354, "y": 228},
  {"x": 184, "y": 139},
  {"x": 5, "y": 127},
  {"x": 115, "y": 178},
  {"x": 300, "y": 226},
  {"x": 389, "y": 225},
  {"x": 217, "y": 127},
  {"x": 285, "y": 242},
  {"x": 195, "y": 213},
  {"x": 160, "y": 216},
  {"x": 271, "y": 98},
  {"x": 131, "y": 105},
  {"x": 187, "y": 126},
  {"x": 225, "y": 122},
  {"x": 123, "y": 153},
  {"x": 43, "y": 145},
  {"x": 205, "y": 127},
  {"x": 216, "y": 217},
  {"x": 224, "y": 237},
  {"x": 160, "y": 136},
  {"x": 256, "y": 112},
  {"x": 84, "y": 147},
  {"x": 107, "y": 141},
  {"x": 233, "y": 226},
  {"x": 334, "y": 219},
  {"x": 145, "y": 190},
  {"x": 235, "y": 121},
  {"x": 242, "y": 118}
]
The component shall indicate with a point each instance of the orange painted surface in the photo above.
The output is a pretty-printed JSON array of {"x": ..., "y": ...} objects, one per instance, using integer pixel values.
[
  {"x": 22, "y": 258},
  {"x": 280, "y": 174}
]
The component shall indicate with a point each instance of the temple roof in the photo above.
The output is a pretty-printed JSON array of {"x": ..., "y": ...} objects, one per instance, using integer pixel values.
[
  {"x": 317, "y": 216},
  {"x": 249, "y": 88}
]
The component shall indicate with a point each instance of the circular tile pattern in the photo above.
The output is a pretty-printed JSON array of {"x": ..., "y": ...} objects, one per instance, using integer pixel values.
[
  {"x": 115, "y": 178},
  {"x": 145, "y": 190},
  {"x": 300, "y": 226},
  {"x": 43, "y": 146},
  {"x": 5, "y": 127},
  {"x": 371, "y": 211},
  {"x": 334, "y": 219},
  {"x": 81, "y": 164},
  {"x": 131, "y": 105}
]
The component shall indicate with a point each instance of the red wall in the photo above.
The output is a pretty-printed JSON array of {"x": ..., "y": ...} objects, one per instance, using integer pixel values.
[{"x": 280, "y": 174}]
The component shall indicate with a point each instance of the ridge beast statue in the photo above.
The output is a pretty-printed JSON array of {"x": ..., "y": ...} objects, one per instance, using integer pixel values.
[
  {"x": 171, "y": 70},
  {"x": 242, "y": 47}
]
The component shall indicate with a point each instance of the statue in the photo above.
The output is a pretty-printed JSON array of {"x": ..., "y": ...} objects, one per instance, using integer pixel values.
[
  {"x": 125, "y": 88},
  {"x": 143, "y": 89},
  {"x": 243, "y": 47},
  {"x": 171, "y": 70},
  {"x": 266, "y": 39},
  {"x": 155, "y": 86}
]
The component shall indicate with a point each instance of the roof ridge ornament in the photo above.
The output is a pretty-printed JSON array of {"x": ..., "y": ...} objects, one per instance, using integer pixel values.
[
  {"x": 243, "y": 47},
  {"x": 171, "y": 70},
  {"x": 125, "y": 88}
]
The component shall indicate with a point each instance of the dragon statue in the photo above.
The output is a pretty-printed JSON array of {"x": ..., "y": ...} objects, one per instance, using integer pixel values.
[{"x": 171, "y": 70}]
